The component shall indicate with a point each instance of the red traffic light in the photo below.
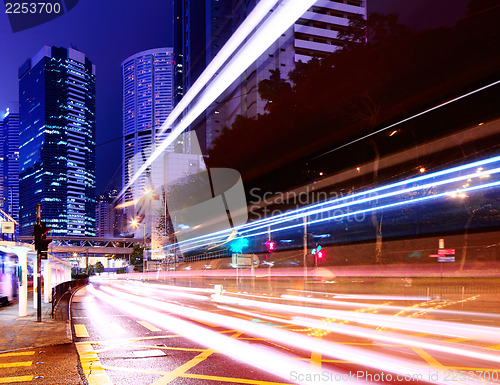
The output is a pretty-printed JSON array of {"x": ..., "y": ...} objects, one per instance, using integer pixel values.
[
  {"x": 41, "y": 241},
  {"x": 320, "y": 255},
  {"x": 270, "y": 245}
]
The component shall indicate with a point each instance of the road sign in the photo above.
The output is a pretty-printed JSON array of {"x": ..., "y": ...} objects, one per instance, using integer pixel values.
[
  {"x": 446, "y": 251},
  {"x": 8, "y": 227},
  {"x": 245, "y": 260},
  {"x": 446, "y": 259}
]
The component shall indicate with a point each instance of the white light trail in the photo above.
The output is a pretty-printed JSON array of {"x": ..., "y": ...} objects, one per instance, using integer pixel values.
[
  {"x": 352, "y": 354},
  {"x": 387, "y": 337},
  {"x": 261, "y": 10},
  {"x": 264, "y": 225},
  {"x": 264, "y": 359},
  {"x": 271, "y": 29},
  {"x": 461, "y": 330}
]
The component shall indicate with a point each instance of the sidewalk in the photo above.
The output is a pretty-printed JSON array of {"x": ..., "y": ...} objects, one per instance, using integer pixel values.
[
  {"x": 41, "y": 352},
  {"x": 25, "y": 332}
]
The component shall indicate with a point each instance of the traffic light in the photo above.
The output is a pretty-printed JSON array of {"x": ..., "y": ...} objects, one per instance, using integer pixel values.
[
  {"x": 41, "y": 240},
  {"x": 238, "y": 245},
  {"x": 318, "y": 251},
  {"x": 270, "y": 245}
]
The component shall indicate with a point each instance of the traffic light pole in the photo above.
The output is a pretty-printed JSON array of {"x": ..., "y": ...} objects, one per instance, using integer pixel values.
[{"x": 38, "y": 270}]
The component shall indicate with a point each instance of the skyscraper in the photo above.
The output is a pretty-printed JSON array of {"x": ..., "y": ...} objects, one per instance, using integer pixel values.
[
  {"x": 57, "y": 141},
  {"x": 108, "y": 218},
  {"x": 9, "y": 163},
  {"x": 315, "y": 34},
  {"x": 147, "y": 102}
]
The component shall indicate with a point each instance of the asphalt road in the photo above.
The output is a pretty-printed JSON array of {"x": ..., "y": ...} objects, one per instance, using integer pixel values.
[{"x": 130, "y": 332}]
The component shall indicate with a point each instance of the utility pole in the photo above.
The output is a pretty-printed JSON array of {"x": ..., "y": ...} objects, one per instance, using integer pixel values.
[{"x": 38, "y": 269}]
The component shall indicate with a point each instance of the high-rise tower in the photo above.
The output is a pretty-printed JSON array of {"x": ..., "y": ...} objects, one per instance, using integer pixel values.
[
  {"x": 57, "y": 141},
  {"x": 9, "y": 163},
  {"x": 147, "y": 102}
]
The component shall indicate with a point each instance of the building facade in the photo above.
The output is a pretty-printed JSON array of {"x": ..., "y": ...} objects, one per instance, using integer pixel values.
[
  {"x": 202, "y": 31},
  {"x": 57, "y": 141},
  {"x": 147, "y": 101},
  {"x": 108, "y": 218},
  {"x": 9, "y": 164}
]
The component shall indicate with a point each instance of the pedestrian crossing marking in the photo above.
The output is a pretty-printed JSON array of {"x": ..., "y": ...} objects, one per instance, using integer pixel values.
[
  {"x": 10, "y": 380},
  {"x": 15, "y": 354},
  {"x": 15, "y": 364}
]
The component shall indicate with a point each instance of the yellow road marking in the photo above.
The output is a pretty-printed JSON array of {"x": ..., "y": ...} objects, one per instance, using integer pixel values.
[
  {"x": 196, "y": 376},
  {"x": 461, "y": 339},
  {"x": 147, "y": 325},
  {"x": 184, "y": 368},
  {"x": 316, "y": 356},
  {"x": 496, "y": 347},
  {"x": 9, "y": 380},
  {"x": 91, "y": 365},
  {"x": 16, "y": 364},
  {"x": 236, "y": 380},
  {"x": 177, "y": 372},
  {"x": 206, "y": 323},
  {"x": 81, "y": 331},
  {"x": 427, "y": 357},
  {"x": 15, "y": 354}
]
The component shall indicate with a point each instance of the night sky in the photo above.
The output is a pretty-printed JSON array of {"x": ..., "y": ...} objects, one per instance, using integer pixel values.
[{"x": 109, "y": 31}]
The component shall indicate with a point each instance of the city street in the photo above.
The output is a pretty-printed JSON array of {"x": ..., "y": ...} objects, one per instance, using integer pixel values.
[{"x": 130, "y": 332}]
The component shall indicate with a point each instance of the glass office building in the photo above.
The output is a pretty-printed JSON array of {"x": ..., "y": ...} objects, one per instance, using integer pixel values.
[
  {"x": 57, "y": 141},
  {"x": 9, "y": 164},
  {"x": 147, "y": 102}
]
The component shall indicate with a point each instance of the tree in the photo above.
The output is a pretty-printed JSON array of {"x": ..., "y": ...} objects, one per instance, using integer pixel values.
[
  {"x": 136, "y": 257},
  {"x": 275, "y": 90},
  {"x": 99, "y": 268}
]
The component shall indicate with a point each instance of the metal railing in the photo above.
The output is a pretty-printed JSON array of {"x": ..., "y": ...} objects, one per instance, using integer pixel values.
[
  {"x": 210, "y": 255},
  {"x": 63, "y": 288}
]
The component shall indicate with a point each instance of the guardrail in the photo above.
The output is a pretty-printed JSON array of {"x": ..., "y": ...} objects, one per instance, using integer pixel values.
[{"x": 63, "y": 288}]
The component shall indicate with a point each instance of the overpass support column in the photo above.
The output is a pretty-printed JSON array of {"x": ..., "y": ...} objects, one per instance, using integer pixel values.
[
  {"x": 35, "y": 284},
  {"x": 23, "y": 283}
]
